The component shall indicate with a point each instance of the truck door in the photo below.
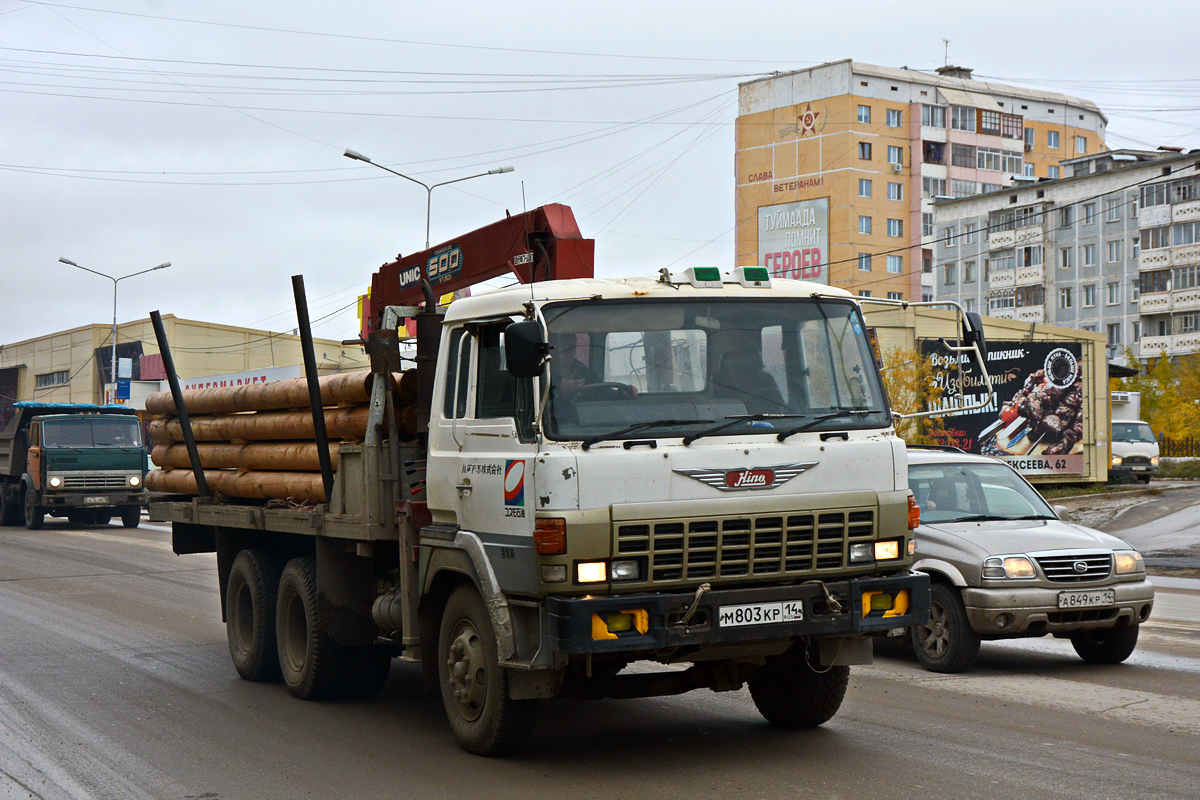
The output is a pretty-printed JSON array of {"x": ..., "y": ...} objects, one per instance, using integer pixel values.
[{"x": 482, "y": 445}]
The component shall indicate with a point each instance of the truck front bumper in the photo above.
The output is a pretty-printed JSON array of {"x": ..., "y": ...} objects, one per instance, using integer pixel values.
[
  {"x": 69, "y": 500},
  {"x": 640, "y": 622}
]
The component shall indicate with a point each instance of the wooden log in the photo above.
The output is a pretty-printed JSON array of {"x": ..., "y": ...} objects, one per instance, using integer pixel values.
[
  {"x": 300, "y": 486},
  {"x": 343, "y": 388},
  {"x": 286, "y": 456},
  {"x": 340, "y": 423}
]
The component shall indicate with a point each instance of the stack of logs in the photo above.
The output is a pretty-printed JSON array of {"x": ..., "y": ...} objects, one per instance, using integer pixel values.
[{"x": 257, "y": 441}]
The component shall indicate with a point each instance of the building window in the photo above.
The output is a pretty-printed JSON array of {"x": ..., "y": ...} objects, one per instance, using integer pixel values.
[
  {"x": 1052, "y": 172},
  {"x": 962, "y": 155},
  {"x": 968, "y": 271},
  {"x": 1001, "y": 300},
  {"x": 989, "y": 122},
  {"x": 1080, "y": 144},
  {"x": 1185, "y": 277},
  {"x": 1027, "y": 170},
  {"x": 864, "y": 225},
  {"x": 1089, "y": 213},
  {"x": 987, "y": 158},
  {"x": 1134, "y": 247},
  {"x": 895, "y": 264},
  {"x": 864, "y": 262},
  {"x": 1157, "y": 237},
  {"x": 1064, "y": 297},
  {"x": 1066, "y": 216},
  {"x": 1154, "y": 195},
  {"x": 1029, "y": 256},
  {"x": 950, "y": 274},
  {"x": 1185, "y": 233},
  {"x": 1066, "y": 257},
  {"x": 864, "y": 187},
  {"x": 1157, "y": 281},
  {"x": 933, "y": 116},
  {"x": 969, "y": 232},
  {"x": 1089, "y": 295},
  {"x": 1051, "y": 138},
  {"x": 926, "y": 224},
  {"x": 48, "y": 379},
  {"x": 969, "y": 304},
  {"x": 865, "y": 293},
  {"x": 1089, "y": 255},
  {"x": 1114, "y": 250},
  {"x": 1137, "y": 331},
  {"x": 895, "y": 296},
  {"x": 926, "y": 296},
  {"x": 864, "y": 113},
  {"x": 1135, "y": 290},
  {"x": 1114, "y": 334},
  {"x": 895, "y": 154},
  {"x": 895, "y": 191},
  {"x": 864, "y": 151},
  {"x": 933, "y": 187},
  {"x": 962, "y": 118},
  {"x": 1113, "y": 290},
  {"x": 1031, "y": 296},
  {"x": 1187, "y": 323},
  {"x": 1112, "y": 209},
  {"x": 1029, "y": 138},
  {"x": 893, "y": 118},
  {"x": 895, "y": 227},
  {"x": 960, "y": 188}
]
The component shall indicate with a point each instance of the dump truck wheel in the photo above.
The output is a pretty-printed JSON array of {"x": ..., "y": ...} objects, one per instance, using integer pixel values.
[
  {"x": 312, "y": 665},
  {"x": 131, "y": 516},
  {"x": 484, "y": 719},
  {"x": 250, "y": 595},
  {"x": 789, "y": 693},
  {"x": 35, "y": 516},
  {"x": 1108, "y": 646}
]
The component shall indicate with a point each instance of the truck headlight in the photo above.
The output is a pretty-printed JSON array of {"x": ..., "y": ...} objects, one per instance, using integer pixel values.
[
  {"x": 1117, "y": 461},
  {"x": 888, "y": 550},
  {"x": 55, "y": 482},
  {"x": 135, "y": 481},
  {"x": 1154, "y": 460},
  {"x": 1008, "y": 567},
  {"x": 861, "y": 552},
  {"x": 1127, "y": 562},
  {"x": 591, "y": 572}
]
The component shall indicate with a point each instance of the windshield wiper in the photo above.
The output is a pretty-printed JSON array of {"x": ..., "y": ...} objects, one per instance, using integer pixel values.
[
  {"x": 591, "y": 440},
  {"x": 737, "y": 419},
  {"x": 841, "y": 412},
  {"x": 975, "y": 518}
]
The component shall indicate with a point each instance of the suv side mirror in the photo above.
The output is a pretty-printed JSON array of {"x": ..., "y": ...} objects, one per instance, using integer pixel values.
[
  {"x": 525, "y": 350},
  {"x": 1063, "y": 512},
  {"x": 973, "y": 331}
]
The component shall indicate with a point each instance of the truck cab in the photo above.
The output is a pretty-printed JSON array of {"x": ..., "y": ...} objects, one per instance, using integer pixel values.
[{"x": 1135, "y": 450}]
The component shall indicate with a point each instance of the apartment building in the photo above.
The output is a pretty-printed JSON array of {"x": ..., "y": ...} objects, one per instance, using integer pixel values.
[
  {"x": 1113, "y": 247},
  {"x": 837, "y": 166}
]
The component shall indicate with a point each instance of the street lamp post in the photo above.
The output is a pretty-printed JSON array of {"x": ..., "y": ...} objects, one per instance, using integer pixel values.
[
  {"x": 70, "y": 263},
  {"x": 428, "y": 187}
]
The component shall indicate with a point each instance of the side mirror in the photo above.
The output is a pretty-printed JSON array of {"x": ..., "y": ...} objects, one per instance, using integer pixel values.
[
  {"x": 525, "y": 350},
  {"x": 973, "y": 331},
  {"x": 1063, "y": 512}
]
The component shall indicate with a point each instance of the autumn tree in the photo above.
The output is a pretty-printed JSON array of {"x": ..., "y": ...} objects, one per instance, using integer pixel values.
[
  {"x": 1170, "y": 391},
  {"x": 909, "y": 381}
]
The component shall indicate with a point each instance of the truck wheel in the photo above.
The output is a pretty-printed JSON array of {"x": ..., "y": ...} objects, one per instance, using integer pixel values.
[
  {"x": 791, "y": 694},
  {"x": 250, "y": 595},
  {"x": 131, "y": 516},
  {"x": 312, "y": 665},
  {"x": 1108, "y": 646},
  {"x": 35, "y": 516},
  {"x": 367, "y": 670},
  {"x": 946, "y": 643},
  {"x": 484, "y": 719}
]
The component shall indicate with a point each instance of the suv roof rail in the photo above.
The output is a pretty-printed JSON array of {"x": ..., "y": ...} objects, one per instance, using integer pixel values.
[{"x": 949, "y": 448}]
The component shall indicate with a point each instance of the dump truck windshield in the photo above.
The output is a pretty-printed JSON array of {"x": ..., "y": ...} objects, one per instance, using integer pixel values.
[
  {"x": 83, "y": 432},
  {"x": 678, "y": 367}
]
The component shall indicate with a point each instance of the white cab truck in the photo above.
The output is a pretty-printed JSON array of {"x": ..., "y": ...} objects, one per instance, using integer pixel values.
[
  {"x": 1135, "y": 451},
  {"x": 624, "y": 488}
]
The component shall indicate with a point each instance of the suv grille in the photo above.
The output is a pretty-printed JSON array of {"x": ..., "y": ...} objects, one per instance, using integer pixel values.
[
  {"x": 87, "y": 482},
  {"x": 740, "y": 547},
  {"x": 1075, "y": 568}
]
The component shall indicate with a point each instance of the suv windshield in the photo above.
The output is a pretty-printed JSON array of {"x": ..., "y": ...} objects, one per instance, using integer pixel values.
[
  {"x": 92, "y": 433},
  {"x": 1132, "y": 432},
  {"x": 964, "y": 492},
  {"x": 622, "y": 370}
]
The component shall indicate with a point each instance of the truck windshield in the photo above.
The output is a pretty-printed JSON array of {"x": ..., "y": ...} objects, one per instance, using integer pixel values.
[
  {"x": 644, "y": 369},
  {"x": 1132, "y": 432},
  {"x": 92, "y": 433}
]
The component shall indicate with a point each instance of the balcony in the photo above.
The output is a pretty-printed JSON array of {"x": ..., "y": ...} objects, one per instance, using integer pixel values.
[
  {"x": 1185, "y": 254},
  {"x": 999, "y": 240},
  {"x": 1002, "y": 279},
  {"x": 1029, "y": 276},
  {"x": 1184, "y": 300},
  {"x": 1154, "y": 215},
  {"x": 1002, "y": 313},
  {"x": 1030, "y": 314},
  {"x": 1186, "y": 211},
  {"x": 1155, "y": 303},
  {"x": 1158, "y": 258},
  {"x": 1184, "y": 343},
  {"x": 1151, "y": 346}
]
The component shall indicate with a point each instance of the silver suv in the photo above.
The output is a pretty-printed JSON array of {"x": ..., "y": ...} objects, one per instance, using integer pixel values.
[{"x": 1004, "y": 565}]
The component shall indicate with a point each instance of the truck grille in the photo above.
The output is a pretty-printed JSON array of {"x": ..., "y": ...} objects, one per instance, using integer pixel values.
[
  {"x": 740, "y": 547},
  {"x": 1074, "y": 568},
  {"x": 1139, "y": 460},
  {"x": 94, "y": 482}
]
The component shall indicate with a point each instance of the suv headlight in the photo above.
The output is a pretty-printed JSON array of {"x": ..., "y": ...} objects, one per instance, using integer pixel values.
[
  {"x": 1008, "y": 567},
  {"x": 1127, "y": 562}
]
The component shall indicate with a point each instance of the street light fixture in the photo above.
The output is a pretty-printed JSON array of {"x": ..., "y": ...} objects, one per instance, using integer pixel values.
[
  {"x": 428, "y": 187},
  {"x": 70, "y": 263}
]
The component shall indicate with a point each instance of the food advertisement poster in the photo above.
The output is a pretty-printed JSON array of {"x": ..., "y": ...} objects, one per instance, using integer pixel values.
[{"x": 1035, "y": 418}]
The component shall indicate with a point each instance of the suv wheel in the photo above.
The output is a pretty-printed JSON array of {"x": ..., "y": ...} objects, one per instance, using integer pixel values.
[{"x": 947, "y": 642}]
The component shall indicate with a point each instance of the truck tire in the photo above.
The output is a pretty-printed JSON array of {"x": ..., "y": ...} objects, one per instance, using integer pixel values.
[
  {"x": 789, "y": 693},
  {"x": 484, "y": 719},
  {"x": 131, "y": 516},
  {"x": 1107, "y": 646},
  {"x": 947, "y": 643},
  {"x": 250, "y": 595},
  {"x": 35, "y": 515},
  {"x": 311, "y": 664}
]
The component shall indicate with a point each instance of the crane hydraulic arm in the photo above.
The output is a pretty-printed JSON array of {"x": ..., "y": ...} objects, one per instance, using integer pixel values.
[{"x": 542, "y": 244}]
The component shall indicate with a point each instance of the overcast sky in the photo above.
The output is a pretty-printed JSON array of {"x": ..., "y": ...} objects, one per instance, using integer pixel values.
[{"x": 210, "y": 135}]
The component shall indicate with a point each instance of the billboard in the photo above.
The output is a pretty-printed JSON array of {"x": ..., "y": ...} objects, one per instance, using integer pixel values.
[
  {"x": 1035, "y": 420},
  {"x": 793, "y": 239}
]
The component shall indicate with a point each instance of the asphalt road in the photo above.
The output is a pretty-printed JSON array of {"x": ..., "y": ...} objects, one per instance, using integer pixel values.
[{"x": 115, "y": 682}]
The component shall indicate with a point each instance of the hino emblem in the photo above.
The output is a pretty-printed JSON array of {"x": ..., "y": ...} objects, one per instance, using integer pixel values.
[{"x": 745, "y": 478}]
